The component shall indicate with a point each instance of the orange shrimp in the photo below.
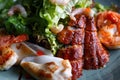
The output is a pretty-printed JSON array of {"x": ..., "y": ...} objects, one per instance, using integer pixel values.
[
  {"x": 7, "y": 40},
  {"x": 7, "y": 56},
  {"x": 108, "y": 24}
]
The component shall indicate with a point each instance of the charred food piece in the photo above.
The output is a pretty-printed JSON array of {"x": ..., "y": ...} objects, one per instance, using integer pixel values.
[
  {"x": 74, "y": 33},
  {"x": 74, "y": 55},
  {"x": 95, "y": 56},
  {"x": 73, "y": 37}
]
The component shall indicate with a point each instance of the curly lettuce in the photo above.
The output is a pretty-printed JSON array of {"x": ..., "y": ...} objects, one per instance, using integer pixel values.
[
  {"x": 16, "y": 25},
  {"x": 4, "y": 7}
]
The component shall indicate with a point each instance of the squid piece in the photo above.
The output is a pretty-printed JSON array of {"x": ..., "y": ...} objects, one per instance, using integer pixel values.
[
  {"x": 95, "y": 56},
  {"x": 47, "y": 68},
  {"x": 24, "y": 49},
  {"x": 108, "y": 24}
]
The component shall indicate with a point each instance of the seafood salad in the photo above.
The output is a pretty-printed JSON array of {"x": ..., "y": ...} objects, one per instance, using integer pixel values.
[{"x": 57, "y": 39}]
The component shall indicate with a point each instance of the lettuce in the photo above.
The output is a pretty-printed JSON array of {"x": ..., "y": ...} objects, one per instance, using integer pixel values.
[
  {"x": 16, "y": 25},
  {"x": 52, "y": 13},
  {"x": 84, "y": 3},
  {"x": 4, "y": 6}
]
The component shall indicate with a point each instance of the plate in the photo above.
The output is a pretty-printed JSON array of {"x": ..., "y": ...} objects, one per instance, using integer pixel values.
[{"x": 110, "y": 72}]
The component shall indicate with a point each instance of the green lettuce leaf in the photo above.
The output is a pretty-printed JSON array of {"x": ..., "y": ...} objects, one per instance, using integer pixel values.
[
  {"x": 84, "y": 3},
  {"x": 5, "y": 4},
  {"x": 16, "y": 25},
  {"x": 4, "y": 7}
]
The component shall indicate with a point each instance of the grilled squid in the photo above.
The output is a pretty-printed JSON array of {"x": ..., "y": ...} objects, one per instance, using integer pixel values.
[
  {"x": 108, "y": 23},
  {"x": 24, "y": 49},
  {"x": 47, "y": 67}
]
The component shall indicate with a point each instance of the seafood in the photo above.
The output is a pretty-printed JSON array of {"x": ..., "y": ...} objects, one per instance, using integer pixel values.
[
  {"x": 47, "y": 67},
  {"x": 7, "y": 40},
  {"x": 22, "y": 51},
  {"x": 108, "y": 24},
  {"x": 7, "y": 56},
  {"x": 25, "y": 49}
]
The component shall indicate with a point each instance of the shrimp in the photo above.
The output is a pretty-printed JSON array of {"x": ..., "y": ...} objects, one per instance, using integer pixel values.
[
  {"x": 108, "y": 24},
  {"x": 7, "y": 56}
]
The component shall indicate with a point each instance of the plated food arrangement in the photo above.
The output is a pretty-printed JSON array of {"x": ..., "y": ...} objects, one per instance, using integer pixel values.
[{"x": 74, "y": 36}]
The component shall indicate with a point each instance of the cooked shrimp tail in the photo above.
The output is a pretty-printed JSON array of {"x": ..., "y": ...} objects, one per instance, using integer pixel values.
[
  {"x": 108, "y": 23},
  {"x": 7, "y": 58},
  {"x": 7, "y": 40}
]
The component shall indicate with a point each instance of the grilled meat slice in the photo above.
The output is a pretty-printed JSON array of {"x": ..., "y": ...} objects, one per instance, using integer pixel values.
[
  {"x": 77, "y": 67},
  {"x": 78, "y": 37},
  {"x": 73, "y": 36},
  {"x": 74, "y": 54},
  {"x": 66, "y": 35},
  {"x": 71, "y": 52},
  {"x": 95, "y": 56},
  {"x": 74, "y": 33},
  {"x": 80, "y": 21}
]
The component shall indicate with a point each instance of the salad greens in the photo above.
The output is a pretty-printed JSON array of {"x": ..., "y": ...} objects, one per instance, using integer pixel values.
[
  {"x": 41, "y": 16},
  {"x": 17, "y": 24}
]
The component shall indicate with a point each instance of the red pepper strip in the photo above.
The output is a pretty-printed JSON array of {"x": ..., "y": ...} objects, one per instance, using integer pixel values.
[{"x": 39, "y": 53}]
